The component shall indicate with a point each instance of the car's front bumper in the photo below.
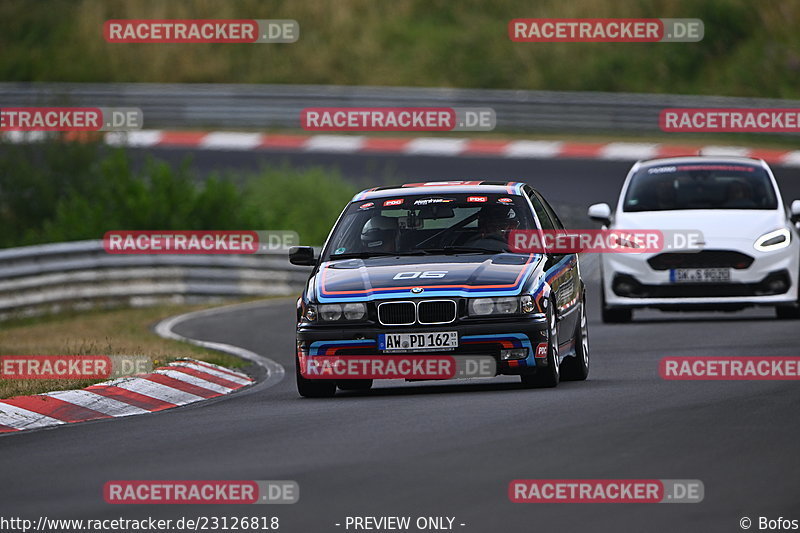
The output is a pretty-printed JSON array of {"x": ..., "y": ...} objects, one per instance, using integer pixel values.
[
  {"x": 630, "y": 281},
  {"x": 476, "y": 338}
]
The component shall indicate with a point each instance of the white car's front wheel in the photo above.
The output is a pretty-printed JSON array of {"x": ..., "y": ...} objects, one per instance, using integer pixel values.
[{"x": 614, "y": 315}]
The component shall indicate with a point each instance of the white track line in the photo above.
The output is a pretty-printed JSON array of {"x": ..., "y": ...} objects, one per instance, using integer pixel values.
[
  {"x": 158, "y": 391},
  {"x": 222, "y": 140},
  {"x": 102, "y": 404},
  {"x": 19, "y": 418},
  {"x": 435, "y": 146},
  {"x": 275, "y": 372},
  {"x": 194, "y": 380},
  {"x": 213, "y": 372}
]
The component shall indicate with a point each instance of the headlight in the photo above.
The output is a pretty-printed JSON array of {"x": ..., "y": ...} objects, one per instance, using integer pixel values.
[
  {"x": 527, "y": 304},
  {"x": 349, "y": 311},
  {"x": 311, "y": 313},
  {"x": 774, "y": 240},
  {"x": 355, "y": 311},
  {"x": 481, "y": 306},
  {"x": 330, "y": 312},
  {"x": 506, "y": 306},
  {"x": 494, "y": 306}
]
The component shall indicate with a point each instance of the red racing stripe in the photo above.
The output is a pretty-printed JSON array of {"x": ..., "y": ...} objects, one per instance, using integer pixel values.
[
  {"x": 133, "y": 398},
  {"x": 486, "y": 146},
  {"x": 55, "y": 408},
  {"x": 206, "y": 376},
  {"x": 769, "y": 155},
  {"x": 181, "y": 385},
  {"x": 219, "y": 369},
  {"x": 181, "y": 138},
  {"x": 674, "y": 150},
  {"x": 7, "y": 429},
  {"x": 283, "y": 141},
  {"x": 384, "y": 144}
]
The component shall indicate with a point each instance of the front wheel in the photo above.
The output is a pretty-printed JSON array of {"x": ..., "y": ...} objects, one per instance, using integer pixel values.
[
  {"x": 313, "y": 388},
  {"x": 576, "y": 368},
  {"x": 788, "y": 312},
  {"x": 354, "y": 384},
  {"x": 546, "y": 376},
  {"x": 614, "y": 315}
]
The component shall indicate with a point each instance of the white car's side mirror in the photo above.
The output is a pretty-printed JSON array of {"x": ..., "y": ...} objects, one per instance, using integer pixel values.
[
  {"x": 795, "y": 212},
  {"x": 601, "y": 213}
]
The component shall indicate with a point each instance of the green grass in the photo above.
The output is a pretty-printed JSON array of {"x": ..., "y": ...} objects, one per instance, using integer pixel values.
[
  {"x": 56, "y": 192},
  {"x": 106, "y": 332},
  {"x": 750, "y": 48}
]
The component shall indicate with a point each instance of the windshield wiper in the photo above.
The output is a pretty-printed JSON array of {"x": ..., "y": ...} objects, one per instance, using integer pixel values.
[
  {"x": 367, "y": 255},
  {"x": 460, "y": 250}
]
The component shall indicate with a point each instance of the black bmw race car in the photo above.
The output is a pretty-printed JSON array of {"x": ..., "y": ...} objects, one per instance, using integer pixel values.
[{"x": 426, "y": 271}]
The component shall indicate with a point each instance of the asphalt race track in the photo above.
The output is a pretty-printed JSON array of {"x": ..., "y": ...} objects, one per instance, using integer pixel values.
[
  {"x": 574, "y": 182},
  {"x": 412, "y": 449}
]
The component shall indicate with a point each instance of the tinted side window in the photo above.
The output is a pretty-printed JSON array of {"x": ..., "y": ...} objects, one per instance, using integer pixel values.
[
  {"x": 541, "y": 211},
  {"x": 550, "y": 212}
]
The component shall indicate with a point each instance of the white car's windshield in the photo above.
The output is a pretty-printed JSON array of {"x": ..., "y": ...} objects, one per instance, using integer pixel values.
[
  {"x": 700, "y": 186},
  {"x": 453, "y": 223}
]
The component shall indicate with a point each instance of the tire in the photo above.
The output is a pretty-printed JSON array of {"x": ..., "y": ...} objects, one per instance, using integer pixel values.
[
  {"x": 546, "y": 376},
  {"x": 576, "y": 368},
  {"x": 787, "y": 312},
  {"x": 313, "y": 388},
  {"x": 354, "y": 384},
  {"x": 614, "y": 315}
]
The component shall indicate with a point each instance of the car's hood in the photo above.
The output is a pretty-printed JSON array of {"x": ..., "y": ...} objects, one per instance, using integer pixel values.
[
  {"x": 475, "y": 275},
  {"x": 717, "y": 225}
]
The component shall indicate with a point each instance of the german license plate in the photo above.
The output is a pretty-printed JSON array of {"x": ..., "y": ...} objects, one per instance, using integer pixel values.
[
  {"x": 700, "y": 275},
  {"x": 413, "y": 342}
]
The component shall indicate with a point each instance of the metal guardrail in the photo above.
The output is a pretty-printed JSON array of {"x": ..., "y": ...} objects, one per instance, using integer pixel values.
[
  {"x": 81, "y": 275},
  {"x": 272, "y": 106}
]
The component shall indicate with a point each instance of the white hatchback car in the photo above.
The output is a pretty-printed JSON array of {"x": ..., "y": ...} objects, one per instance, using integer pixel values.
[{"x": 749, "y": 253}]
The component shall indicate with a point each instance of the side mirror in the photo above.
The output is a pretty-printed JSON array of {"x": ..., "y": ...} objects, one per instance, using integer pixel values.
[
  {"x": 600, "y": 213},
  {"x": 795, "y": 212},
  {"x": 302, "y": 256}
]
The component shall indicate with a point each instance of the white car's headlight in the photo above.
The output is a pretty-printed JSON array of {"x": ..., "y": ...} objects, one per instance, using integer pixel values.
[
  {"x": 774, "y": 240},
  {"x": 348, "y": 311}
]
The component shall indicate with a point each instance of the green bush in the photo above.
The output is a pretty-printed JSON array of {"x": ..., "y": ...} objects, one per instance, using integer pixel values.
[{"x": 54, "y": 192}]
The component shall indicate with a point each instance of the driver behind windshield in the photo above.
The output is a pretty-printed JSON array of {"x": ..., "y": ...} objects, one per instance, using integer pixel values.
[
  {"x": 379, "y": 234},
  {"x": 494, "y": 223}
]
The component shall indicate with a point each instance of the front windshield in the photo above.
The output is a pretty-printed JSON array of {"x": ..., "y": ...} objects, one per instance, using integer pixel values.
[
  {"x": 700, "y": 186},
  {"x": 408, "y": 225}
]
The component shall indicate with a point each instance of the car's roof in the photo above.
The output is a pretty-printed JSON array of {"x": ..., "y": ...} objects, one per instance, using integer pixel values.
[
  {"x": 704, "y": 160},
  {"x": 442, "y": 187}
]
